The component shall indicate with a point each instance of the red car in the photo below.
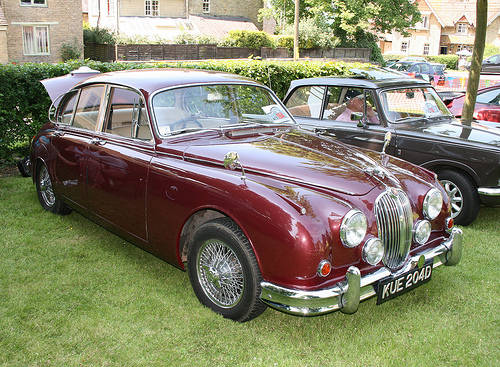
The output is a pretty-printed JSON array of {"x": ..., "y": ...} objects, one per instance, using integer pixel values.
[
  {"x": 487, "y": 106},
  {"x": 210, "y": 172}
]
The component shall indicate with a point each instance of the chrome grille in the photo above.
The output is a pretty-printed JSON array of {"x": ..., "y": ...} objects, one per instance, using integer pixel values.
[{"x": 394, "y": 222}]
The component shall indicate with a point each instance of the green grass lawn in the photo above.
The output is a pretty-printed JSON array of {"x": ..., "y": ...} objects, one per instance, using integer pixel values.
[{"x": 73, "y": 294}]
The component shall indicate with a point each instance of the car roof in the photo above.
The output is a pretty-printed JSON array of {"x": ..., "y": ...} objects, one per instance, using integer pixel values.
[
  {"x": 361, "y": 81},
  {"x": 151, "y": 80}
]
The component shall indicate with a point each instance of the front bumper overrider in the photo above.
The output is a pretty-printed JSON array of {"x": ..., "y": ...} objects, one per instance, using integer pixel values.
[{"x": 347, "y": 295}]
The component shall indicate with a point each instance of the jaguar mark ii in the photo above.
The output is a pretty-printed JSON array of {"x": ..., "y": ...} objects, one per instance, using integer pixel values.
[{"x": 209, "y": 172}]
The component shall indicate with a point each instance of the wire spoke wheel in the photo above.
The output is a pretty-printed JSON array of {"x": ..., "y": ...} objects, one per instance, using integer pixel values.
[
  {"x": 220, "y": 273},
  {"x": 45, "y": 187},
  {"x": 223, "y": 270}
]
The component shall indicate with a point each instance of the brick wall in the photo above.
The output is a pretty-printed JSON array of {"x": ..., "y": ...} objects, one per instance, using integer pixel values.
[
  {"x": 63, "y": 18},
  {"x": 229, "y": 8}
]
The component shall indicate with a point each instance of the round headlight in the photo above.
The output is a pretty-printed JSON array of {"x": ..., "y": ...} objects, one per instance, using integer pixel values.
[
  {"x": 373, "y": 251},
  {"x": 353, "y": 228},
  {"x": 422, "y": 231},
  {"x": 433, "y": 202}
]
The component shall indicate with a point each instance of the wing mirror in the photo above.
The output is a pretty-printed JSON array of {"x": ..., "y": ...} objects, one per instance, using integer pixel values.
[{"x": 232, "y": 161}]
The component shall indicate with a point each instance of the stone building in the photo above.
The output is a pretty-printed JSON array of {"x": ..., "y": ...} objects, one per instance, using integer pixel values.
[
  {"x": 168, "y": 18},
  {"x": 35, "y": 30},
  {"x": 446, "y": 27}
]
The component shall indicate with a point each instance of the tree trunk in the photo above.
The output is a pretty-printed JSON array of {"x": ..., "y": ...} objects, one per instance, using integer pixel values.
[{"x": 477, "y": 60}]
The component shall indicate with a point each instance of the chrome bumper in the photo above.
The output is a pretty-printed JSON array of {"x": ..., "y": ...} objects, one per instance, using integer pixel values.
[
  {"x": 489, "y": 191},
  {"x": 347, "y": 295}
]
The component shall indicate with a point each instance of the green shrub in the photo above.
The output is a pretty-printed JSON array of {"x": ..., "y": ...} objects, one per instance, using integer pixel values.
[
  {"x": 97, "y": 35},
  {"x": 70, "y": 51},
  {"x": 249, "y": 39}
]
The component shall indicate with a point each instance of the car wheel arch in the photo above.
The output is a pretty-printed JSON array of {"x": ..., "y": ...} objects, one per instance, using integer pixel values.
[
  {"x": 195, "y": 220},
  {"x": 437, "y": 167}
]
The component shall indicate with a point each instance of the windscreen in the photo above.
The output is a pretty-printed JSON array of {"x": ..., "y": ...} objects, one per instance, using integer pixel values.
[{"x": 203, "y": 107}]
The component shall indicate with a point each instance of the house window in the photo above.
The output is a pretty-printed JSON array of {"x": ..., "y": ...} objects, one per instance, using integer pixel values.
[
  {"x": 206, "y": 6},
  {"x": 404, "y": 47},
  {"x": 462, "y": 28},
  {"x": 426, "y": 49},
  {"x": 33, "y": 2},
  {"x": 111, "y": 4},
  {"x": 152, "y": 8},
  {"x": 36, "y": 40},
  {"x": 425, "y": 22}
]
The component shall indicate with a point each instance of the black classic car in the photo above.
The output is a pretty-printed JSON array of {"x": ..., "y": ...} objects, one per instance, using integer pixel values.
[{"x": 360, "y": 110}]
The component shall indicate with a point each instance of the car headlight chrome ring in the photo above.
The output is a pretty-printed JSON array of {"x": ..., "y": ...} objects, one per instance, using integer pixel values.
[
  {"x": 373, "y": 251},
  {"x": 353, "y": 228},
  {"x": 433, "y": 203},
  {"x": 422, "y": 231}
]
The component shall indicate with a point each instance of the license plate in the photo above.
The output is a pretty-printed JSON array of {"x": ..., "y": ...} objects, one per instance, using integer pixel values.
[{"x": 391, "y": 287}]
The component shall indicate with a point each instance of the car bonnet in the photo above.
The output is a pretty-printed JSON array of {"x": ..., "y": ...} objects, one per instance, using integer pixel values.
[{"x": 301, "y": 158}]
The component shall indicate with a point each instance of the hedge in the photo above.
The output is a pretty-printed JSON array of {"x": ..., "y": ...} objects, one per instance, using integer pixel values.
[{"x": 24, "y": 103}]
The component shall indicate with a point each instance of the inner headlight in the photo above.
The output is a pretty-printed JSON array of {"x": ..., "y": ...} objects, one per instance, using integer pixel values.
[
  {"x": 433, "y": 202},
  {"x": 373, "y": 251},
  {"x": 353, "y": 228},
  {"x": 422, "y": 231}
]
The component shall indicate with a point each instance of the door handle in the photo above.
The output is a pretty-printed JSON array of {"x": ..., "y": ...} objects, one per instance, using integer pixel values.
[
  {"x": 97, "y": 141},
  {"x": 57, "y": 133}
]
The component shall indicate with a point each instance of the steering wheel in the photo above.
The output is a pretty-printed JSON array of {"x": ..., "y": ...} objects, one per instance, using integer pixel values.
[{"x": 185, "y": 123}]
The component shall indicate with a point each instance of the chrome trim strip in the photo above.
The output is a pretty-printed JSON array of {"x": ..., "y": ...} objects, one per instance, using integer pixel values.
[
  {"x": 489, "y": 191},
  {"x": 354, "y": 287}
]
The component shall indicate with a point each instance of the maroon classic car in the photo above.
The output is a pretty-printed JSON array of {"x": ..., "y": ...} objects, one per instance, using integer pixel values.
[{"x": 209, "y": 172}]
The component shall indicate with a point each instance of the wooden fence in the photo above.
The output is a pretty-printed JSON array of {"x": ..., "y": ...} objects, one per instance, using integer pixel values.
[{"x": 109, "y": 53}]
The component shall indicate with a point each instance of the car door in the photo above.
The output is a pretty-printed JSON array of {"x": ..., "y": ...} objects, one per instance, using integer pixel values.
[
  {"x": 77, "y": 118},
  {"x": 362, "y": 133},
  {"x": 118, "y": 163},
  {"x": 491, "y": 65}
]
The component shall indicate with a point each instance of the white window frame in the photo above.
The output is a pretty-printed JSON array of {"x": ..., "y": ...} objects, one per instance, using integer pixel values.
[
  {"x": 152, "y": 8},
  {"x": 462, "y": 28},
  {"x": 206, "y": 6},
  {"x": 32, "y": 3},
  {"x": 404, "y": 46},
  {"x": 111, "y": 8},
  {"x": 426, "y": 49},
  {"x": 36, "y": 39}
]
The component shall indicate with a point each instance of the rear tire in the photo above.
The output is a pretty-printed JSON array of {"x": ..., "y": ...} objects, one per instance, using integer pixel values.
[
  {"x": 224, "y": 272},
  {"x": 465, "y": 201},
  {"x": 46, "y": 194}
]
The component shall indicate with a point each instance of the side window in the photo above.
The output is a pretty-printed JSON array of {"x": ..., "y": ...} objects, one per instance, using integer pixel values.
[
  {"x": 87, "y": 110},
  {"x": 306, "y": 101},
  {"x": 65, "y": 114},
  {"x": 127, "y": 115},
  {"x": 334, "y": 106}
]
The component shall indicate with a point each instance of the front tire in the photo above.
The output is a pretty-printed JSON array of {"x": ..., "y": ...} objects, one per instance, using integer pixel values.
[
  {"x": 46, "y": 194},
  {"x": 465, "y": 201},
  {"x": 224, "y": 272}
]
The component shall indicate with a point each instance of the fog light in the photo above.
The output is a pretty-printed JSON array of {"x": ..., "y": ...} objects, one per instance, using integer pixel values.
[
  {"x": 324, "y": 268},
  {"x": 373, "y": 251},
  {"x": 422, "y": 231}
]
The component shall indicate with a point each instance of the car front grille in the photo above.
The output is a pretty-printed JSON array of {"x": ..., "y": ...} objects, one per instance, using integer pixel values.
[{"x": 394, "y": 222}]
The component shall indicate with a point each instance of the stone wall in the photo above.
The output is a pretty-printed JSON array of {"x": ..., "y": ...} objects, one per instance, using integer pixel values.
[{"x": 64, "y": 26}]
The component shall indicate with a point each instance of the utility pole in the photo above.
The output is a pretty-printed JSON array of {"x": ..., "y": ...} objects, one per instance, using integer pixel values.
[{"x": 296, "y": 32}]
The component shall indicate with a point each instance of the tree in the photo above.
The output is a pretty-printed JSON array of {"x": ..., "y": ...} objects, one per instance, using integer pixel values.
[
  {"x": 477, "y": 60},
  {"x": 348, "y": 19}
]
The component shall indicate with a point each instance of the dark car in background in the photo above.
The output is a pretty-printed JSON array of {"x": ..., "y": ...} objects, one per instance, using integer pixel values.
[
  {"x": 487, "y": 107},
  {"x": 466, "y": 158},
  {"x": 491, "y": 65},
  {"x": 431, "y": 72},
  {"x": 209, "y": 172}
]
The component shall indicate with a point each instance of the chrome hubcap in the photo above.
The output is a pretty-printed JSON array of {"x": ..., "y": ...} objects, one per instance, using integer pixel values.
[
  {"x": 45, "y": 185},
  {"x": 456, "y": 197},
  {"x": 220, "y": 273}
]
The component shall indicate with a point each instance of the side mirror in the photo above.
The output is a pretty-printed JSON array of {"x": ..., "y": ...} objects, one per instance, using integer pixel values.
[{"x": 232, "y": 161}]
